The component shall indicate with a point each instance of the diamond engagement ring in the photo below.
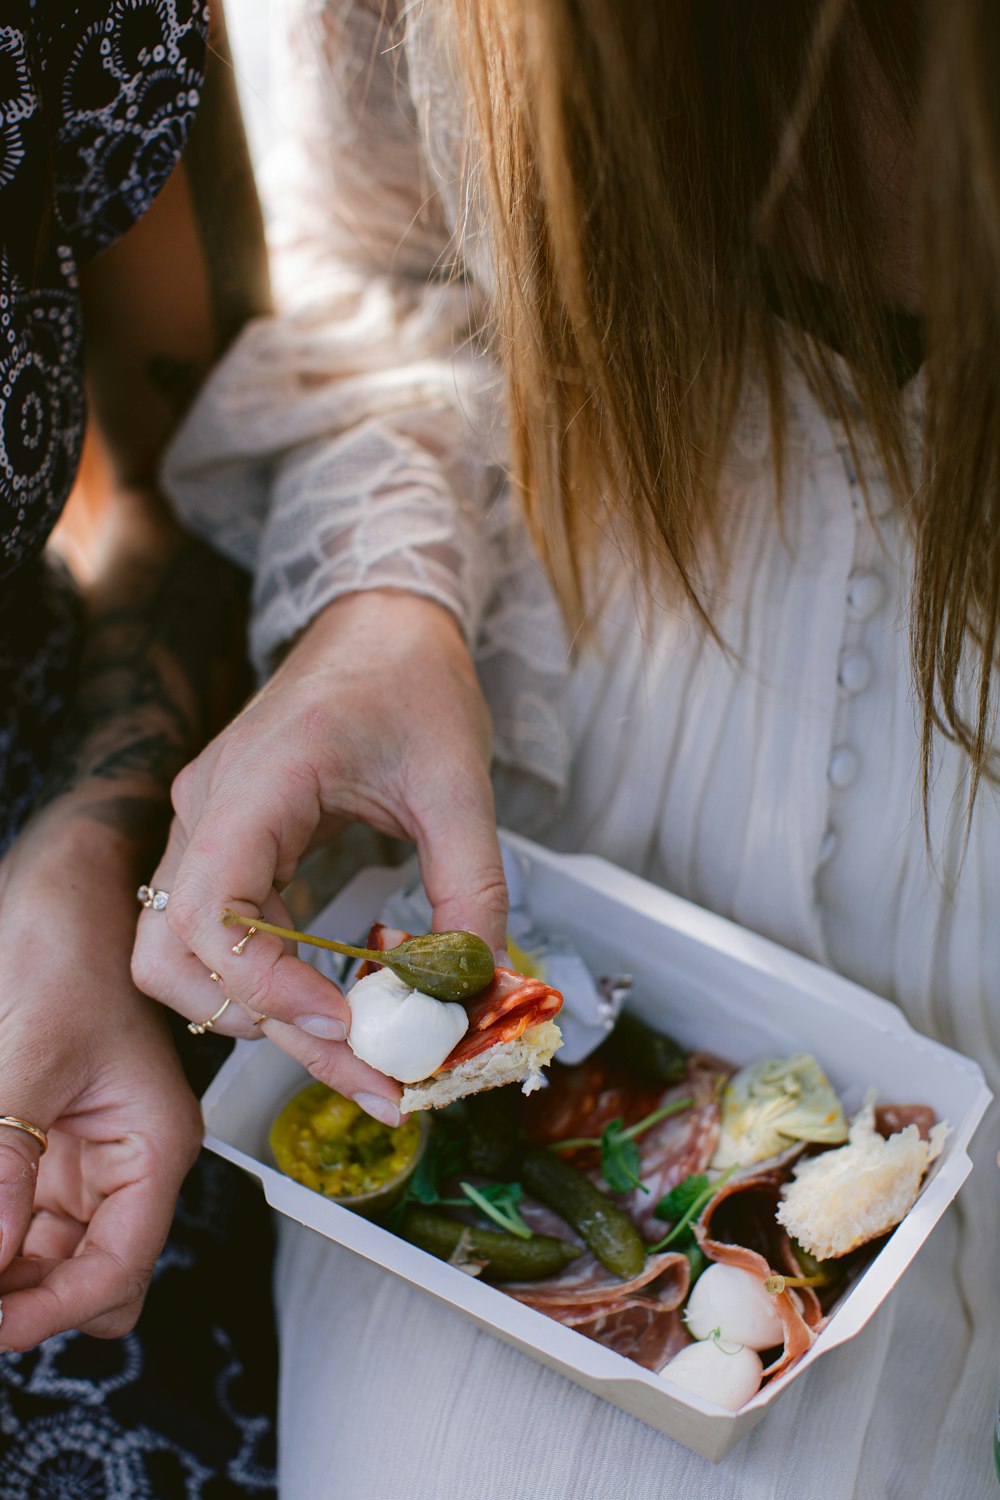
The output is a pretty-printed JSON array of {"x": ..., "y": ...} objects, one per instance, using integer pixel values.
[{"x": 151, "y": 898}]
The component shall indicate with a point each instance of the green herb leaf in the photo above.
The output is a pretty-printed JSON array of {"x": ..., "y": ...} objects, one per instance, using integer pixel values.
[
  {"x": 443, "y": 1158},
  {"x": 499, "y": 1201},
  {"x": 620, "y": 1160},
  {"x": 675, "y": 1204},
  {"x": 681, "y": 1233},
  {"x": 696, "y": 1257}
]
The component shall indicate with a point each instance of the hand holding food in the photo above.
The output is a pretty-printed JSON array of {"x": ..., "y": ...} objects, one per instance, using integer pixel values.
[{"x": 349, "y": 728}]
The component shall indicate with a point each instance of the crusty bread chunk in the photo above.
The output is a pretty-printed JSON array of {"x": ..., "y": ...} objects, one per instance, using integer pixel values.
[
  {"x": 843, "y": 1198},
  {"x": 519, "y": 1061}
]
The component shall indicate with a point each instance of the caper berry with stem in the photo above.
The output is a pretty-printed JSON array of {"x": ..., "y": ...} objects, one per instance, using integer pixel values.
[{"x": 444, "y": 965}]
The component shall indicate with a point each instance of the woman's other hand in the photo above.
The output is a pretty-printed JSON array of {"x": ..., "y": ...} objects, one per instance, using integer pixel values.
[
  {"x": 375, "y": 716},
  {"x": 85, "y": 1057}
]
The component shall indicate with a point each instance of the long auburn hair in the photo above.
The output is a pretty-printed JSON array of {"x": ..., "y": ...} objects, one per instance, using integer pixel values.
[{"x": 658, "y": 173}]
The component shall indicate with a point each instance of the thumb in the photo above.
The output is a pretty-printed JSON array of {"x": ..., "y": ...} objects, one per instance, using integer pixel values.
[
  {"x": 19, "y": 1156},
  {"x": 462, "y": 869}
]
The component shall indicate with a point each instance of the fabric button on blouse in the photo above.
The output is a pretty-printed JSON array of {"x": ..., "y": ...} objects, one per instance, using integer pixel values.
[
  {"x": 855, "y": 671},
  {"x": 865, "y": 592},
  {"x": 843, "y": 767}
]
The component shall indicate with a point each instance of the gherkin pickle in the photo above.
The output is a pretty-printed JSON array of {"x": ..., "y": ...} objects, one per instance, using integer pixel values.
[
  {"x": 605, "y": 1229},
  {"x": 504, "y": 1256}
]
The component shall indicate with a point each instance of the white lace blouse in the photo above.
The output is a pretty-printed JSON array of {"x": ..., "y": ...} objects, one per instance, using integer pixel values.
[{"x": 355, "y": 440}]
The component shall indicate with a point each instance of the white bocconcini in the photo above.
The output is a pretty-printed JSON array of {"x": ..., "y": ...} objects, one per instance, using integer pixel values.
[
  {"x": 735, "y": 1302},
  {"x": 400, "y": 1030},
  {"x": 726, "y": 1373}
]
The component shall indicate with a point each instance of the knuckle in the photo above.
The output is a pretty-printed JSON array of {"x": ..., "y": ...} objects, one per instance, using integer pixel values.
[
  {"x": 323, "y": 1064},
  {"x": 258, "y": 989},
  {"x": 184, "y": 917},
  {"x": 185, "y": 793}
]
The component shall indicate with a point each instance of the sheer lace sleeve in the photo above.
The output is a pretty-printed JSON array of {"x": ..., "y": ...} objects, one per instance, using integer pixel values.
[{"x": 344, "y": 442}]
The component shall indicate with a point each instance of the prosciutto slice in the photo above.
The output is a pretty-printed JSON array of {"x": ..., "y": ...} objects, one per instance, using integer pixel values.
[
  {"x": 738, "y": 1228},
  {"x": 505, "y": 1009},
  {"x": 639, "y": 1318}
]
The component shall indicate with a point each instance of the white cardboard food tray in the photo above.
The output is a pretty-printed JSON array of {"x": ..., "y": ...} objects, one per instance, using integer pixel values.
[{"x": 711, "y": 985}]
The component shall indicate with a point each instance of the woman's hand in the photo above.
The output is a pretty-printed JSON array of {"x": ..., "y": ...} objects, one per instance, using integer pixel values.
[
  {"x": 375, "y": 716},
  {"x": 84, "y": 1056}
]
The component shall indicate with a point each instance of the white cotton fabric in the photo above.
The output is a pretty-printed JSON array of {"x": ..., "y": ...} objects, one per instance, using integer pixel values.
[{"x": 355, "y": 440}]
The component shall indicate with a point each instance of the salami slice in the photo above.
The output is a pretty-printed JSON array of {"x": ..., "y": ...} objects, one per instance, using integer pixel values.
[
  {"x": 678, "y": 1146},
  {"x": 891, "y": 1118}
]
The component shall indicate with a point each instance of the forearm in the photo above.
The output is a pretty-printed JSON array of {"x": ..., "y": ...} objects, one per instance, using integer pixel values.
[{"x": 161, "y": 670}]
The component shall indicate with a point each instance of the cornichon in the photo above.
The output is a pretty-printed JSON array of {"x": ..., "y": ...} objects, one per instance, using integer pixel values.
[
  {"x": 507, "y": 1258},
  {"x": 647, "y": 1051},
  {"x": 605, "y": 1229}
]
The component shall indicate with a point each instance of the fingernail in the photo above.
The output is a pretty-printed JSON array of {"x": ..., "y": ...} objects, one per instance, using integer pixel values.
[
  {"x": 379, "y": 1108},
  {"x": 330, "y": 1029}
]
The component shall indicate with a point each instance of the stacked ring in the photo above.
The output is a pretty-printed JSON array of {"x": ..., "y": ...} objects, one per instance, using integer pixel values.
[{"x": 152, "y": 899}]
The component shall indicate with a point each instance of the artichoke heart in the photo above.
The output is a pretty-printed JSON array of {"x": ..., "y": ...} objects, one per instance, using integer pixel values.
[{"x": 769, "y": 1105}]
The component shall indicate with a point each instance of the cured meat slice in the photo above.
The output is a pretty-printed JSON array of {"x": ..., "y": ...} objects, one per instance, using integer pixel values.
[
  {"x": 503, "y": 1012},
  {"x": 738, "y": 1228},
  {"x": 585, "y": 1283},
  {"x": 650, "y": 1336},
  {"x": 678, "y": 1146},
  {"x": 891, "y": 1118},
  {"x": 638, "y": 1318}
]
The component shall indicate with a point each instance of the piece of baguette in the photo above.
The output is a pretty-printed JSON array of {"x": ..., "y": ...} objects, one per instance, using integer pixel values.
[{"x": 519, "y": 1061}]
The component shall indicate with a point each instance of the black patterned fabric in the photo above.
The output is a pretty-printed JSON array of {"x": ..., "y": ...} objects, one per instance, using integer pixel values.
[{"x": 96, "y": 101}]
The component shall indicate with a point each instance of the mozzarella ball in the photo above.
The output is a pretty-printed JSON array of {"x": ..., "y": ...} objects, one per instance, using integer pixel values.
[
  {"x": 736, "y": 1303},
  {"x": 400, "y": 1030},
  {"x": 728, "y": 1374}
]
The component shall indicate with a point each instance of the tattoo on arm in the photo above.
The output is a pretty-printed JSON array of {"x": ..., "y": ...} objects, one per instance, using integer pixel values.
[{"x": 156, "y": 681}]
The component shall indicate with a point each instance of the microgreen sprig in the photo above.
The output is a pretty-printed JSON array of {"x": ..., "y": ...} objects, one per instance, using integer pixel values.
[
  {"x": 620, "y": 1160},
  {"x": 499, "y": 1201},
  {"x": 694, "y": 1207}
]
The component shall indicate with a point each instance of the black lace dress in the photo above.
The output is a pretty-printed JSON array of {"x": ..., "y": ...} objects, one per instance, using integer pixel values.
[{"x": 96, "y": 100}]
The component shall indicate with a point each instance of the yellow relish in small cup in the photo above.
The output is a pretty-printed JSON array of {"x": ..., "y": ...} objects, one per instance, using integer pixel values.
[{"x": 329, "y": 1144}]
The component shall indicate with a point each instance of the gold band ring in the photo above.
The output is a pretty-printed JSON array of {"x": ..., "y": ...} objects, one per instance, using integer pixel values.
[
  {"x": 198, "y": 1028},
  {"x": 28, "y": 1128}
]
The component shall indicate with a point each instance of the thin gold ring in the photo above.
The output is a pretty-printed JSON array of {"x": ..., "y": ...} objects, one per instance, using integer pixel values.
[
  {"x": 198, "y": 1028},
  {"x": 28, "y": 1128},
  {"x": 238, "y": 947}
]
